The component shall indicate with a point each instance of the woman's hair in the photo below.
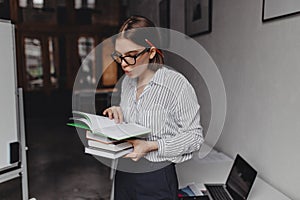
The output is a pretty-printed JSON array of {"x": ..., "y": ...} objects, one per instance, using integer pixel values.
[{"x": 135, "y": 29}]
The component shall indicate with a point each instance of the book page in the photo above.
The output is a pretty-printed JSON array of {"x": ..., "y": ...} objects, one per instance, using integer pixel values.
[
  {"x": 133, "y": 129},
  {"x": 124, "y": 131},
  {"x": 114, "y": 132},
  {"x": 96, "y": 121},
  {"x": 104, "y": 122}
]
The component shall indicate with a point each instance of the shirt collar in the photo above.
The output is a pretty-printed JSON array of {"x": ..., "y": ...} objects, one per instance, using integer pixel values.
[
  {"x": 132, "y": 82},
  {"x": 159, "y": 76}
]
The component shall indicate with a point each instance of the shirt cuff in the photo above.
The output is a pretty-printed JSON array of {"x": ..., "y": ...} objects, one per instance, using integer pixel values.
[{"x": 161, "y": 147}]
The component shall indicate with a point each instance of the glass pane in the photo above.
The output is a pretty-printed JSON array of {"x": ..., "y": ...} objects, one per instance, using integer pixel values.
[
  {"x": 87, "y": 58},
  {"x": 91, "y": 4},
  {"x": 38, "y": 3},
  {"x": 84, "y": 4},
  {"x": 54, "y": 72},
  {"x": 38, "y": 11},
  {"x": 23, "y": 3},
  {"x": 78, "y": 4},
  {"x": 33, "y": 62}
]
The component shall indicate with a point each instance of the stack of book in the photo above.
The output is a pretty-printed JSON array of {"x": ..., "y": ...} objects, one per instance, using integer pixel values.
[
  {"x": 105, "y": 147},
  {"x": 106, "y": 138}
]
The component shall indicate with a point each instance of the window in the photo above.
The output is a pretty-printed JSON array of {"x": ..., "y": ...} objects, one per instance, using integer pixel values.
[
  {"x": 84, "y": 4},
  {"x": 38, "y": 3},
  {"x": 87, "y": 58},
  {"x": 33, "y": 63},
  {"x": 35, "y": 3},
  {"x": 23, "y": 3},
  {"x": 53, "y": 58}
]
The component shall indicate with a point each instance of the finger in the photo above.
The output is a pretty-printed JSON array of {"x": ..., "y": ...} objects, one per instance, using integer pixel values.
[
  {"x": 120, "y": 114},
  {"x": 131, "y": 155},
  {"x": 105, "y": 111},
  {"x": 135, "y": 159},
  {"x": 116, "y": 115},
  {"x": 130, "y": 141},
  {"x": 110, "y": 114}
]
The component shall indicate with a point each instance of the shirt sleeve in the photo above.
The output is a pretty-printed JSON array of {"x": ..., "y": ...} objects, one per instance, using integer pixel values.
[{"x": 189, "y": 136}]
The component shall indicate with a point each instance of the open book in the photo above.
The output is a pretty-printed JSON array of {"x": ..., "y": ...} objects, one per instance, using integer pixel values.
[{"x": 106, "y": 127}]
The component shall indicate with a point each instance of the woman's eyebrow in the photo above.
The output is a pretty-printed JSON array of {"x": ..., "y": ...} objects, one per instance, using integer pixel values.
[
  {"x": 132, "y": 51},
  {"x": 128, "y": 52}
]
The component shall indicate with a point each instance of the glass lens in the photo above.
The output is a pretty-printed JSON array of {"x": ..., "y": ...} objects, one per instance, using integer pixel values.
[{"x": 129, "y": 60}]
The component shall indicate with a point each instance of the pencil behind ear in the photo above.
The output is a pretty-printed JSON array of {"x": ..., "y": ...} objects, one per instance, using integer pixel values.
[{"x": 156, "y": 49}]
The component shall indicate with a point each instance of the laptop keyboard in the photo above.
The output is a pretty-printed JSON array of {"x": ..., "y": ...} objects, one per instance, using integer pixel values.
[{"x": 218, "y": 192}]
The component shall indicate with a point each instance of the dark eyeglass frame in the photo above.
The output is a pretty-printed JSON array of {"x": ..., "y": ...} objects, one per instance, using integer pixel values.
[{"x": 115, "y": 54}]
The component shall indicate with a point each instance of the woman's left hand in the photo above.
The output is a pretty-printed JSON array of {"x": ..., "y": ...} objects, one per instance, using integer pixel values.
[{"x": 141, "y": 148}]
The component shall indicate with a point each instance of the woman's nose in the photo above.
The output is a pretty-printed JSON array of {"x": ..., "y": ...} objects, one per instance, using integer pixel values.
[{"x": 123, "y": 64}]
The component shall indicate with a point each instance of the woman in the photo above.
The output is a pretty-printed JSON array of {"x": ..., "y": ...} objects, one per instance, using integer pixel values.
[{"x": 158, "y": 98}]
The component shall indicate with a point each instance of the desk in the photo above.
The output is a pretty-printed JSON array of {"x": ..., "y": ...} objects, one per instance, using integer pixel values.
[{"x": 197, "y": 171}]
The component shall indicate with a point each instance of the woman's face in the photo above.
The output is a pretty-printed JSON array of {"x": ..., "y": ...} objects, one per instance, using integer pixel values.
[{"x": 126, "y": 47}]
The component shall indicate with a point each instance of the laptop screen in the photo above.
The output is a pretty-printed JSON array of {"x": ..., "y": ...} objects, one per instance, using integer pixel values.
[{"x": 240, "y": 179}]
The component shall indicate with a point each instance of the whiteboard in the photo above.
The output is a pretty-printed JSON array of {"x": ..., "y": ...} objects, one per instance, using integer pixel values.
[{"x": 8, "y": 104}]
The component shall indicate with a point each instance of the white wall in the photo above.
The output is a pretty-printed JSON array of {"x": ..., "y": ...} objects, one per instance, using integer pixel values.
[{"x": 260, "y": 65}]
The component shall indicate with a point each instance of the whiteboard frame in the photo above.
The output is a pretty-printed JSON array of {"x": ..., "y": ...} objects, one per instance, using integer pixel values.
[{"x": 21, "y": 170}]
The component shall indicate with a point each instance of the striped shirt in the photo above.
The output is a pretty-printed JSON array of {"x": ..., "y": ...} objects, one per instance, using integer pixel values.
[{"x": 169, "y": 107}]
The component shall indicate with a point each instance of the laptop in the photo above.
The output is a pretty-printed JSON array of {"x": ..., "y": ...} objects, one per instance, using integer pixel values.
[{"x": 238, "y": 183}]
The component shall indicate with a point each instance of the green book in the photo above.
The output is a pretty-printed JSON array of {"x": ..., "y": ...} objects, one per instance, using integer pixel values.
[{"x": 78, "y": 125}]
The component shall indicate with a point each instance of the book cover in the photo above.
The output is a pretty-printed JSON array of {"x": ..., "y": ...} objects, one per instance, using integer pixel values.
[
  {"x": 103, "y": 126},
  {"x": 106, "y": 153},
  {"x": 90, "y": 136},
  {"x": 111, "y": 147}
]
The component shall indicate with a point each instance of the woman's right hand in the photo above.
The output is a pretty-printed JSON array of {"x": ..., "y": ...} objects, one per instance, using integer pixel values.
[{"x": 115, "y": 113}]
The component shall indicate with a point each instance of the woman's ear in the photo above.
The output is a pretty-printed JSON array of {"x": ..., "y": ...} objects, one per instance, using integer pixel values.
[{"x": 152, "y": 52}]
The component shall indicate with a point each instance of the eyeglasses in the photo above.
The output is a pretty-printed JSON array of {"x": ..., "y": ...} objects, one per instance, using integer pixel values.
[{"x": 130, "y": 60}]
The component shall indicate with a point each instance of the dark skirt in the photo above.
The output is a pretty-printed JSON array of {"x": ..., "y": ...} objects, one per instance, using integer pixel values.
[{"x": 159, "y": 183}]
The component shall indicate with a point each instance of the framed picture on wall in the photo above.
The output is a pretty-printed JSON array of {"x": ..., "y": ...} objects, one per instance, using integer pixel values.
[
  {"x": 164, "y": 22},
  {"x": 275, "y": 9},
  {"x": 198, "y": 16},
  {"x": 164, "y": 13}
]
